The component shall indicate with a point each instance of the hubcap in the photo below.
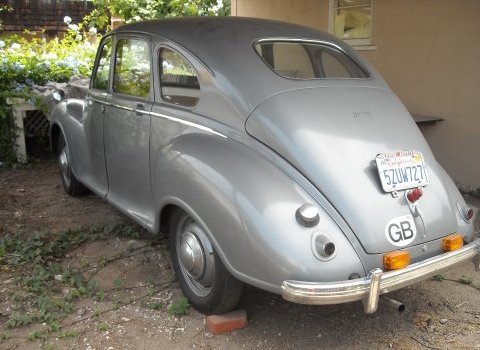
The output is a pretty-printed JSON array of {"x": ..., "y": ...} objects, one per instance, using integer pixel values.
[
  {"x": 191, "y": 255},
  {"x": 195, "y": 257},
  {"x": 64, "y": 165}
]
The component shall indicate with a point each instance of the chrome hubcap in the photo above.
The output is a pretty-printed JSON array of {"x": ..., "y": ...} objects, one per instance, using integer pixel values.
[
  {"x": 191, "y": 255},
  {"x": 195, "y": 256},
  {"x": 64, "y": 165}
]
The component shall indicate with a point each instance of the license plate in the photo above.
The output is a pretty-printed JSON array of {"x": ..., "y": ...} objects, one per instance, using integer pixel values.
[{"x": 401, "y": 170}]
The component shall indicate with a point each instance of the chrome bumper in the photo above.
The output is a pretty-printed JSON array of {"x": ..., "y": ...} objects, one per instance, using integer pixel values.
[{"x": 377, "y": 282}]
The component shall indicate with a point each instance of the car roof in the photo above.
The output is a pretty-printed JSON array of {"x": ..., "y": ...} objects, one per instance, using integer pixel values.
[{"x": 225, "y": 46}]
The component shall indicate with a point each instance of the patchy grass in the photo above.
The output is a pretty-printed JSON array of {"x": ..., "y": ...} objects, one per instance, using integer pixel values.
[{"x": 44, "y": 292}]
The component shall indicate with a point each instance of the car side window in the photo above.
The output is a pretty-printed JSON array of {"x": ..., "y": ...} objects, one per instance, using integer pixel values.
[
  {"x": 132, "y": 68},
  {"x": 102, "y": 74},
  {"x": 178, "y": 79}
]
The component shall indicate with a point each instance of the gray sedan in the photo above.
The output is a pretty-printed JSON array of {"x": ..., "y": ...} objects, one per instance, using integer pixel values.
[{"x": 271, "y": 154}]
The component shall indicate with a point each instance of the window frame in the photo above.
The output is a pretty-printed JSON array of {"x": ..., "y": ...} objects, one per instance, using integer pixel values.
[
  {"x": 104, "y": 42},
  {"x": 358, "y": 44},
  {"x": 368, "y": 74},
  {"x": 146, "y": 39},
  {"x": 184, "y": 55}
]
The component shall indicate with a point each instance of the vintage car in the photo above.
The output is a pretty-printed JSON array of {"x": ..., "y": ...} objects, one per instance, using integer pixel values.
[{"x": 271, "y": 154}]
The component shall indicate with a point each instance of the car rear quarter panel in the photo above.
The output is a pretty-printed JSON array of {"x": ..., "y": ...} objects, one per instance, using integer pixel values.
[{"x": 248, "y": 206}]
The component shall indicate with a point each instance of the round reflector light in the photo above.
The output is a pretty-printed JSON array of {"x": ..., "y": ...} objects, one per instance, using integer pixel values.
[
  {"x": 469, "y": 214},
  {"x": 415, "y": 194}
]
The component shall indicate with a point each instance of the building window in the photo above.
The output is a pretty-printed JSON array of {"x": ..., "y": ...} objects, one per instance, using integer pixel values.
[{"x": 351, "y": 21}]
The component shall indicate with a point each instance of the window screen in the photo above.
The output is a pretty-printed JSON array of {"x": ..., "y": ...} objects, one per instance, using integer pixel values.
[
  {"x": 303, "y": 60},
  {"x": 178, "y": 79},
  {"x": 102, "y": 75},
  {"x": 352, "y": 20},
  {"x": 132, "y": 68}
]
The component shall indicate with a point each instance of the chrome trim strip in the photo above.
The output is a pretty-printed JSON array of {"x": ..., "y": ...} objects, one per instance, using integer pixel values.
[
  {"x": 377, "y": 283},
  {"x": 164, "y": 116},
  {"x": 186, "y": 122},
  {"x": 130, "y": 109},
  {"x": 299, "y": 40}
]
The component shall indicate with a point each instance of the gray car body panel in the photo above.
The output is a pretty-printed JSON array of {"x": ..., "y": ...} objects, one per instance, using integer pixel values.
[{"x": 255, "y": 148}]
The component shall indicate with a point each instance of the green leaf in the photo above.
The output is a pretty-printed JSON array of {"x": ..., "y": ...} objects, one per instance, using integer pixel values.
[
  {"x": 466, "y": 279},
  {"x": 180, "y": 307},
  {"x": 438, "y": 278}
]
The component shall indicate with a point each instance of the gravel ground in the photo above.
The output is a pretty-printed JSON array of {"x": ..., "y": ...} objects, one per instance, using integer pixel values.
[{"x": 439, "y": 315}]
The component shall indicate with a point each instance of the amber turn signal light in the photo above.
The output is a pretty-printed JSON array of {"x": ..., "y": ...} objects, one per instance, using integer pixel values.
[
  {"x": 452, "y": 242},
  {"x": 395, "y": 260}
]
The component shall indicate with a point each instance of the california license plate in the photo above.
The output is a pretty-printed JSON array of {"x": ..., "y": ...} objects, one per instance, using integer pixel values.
[{"x": 401, "y": 170}]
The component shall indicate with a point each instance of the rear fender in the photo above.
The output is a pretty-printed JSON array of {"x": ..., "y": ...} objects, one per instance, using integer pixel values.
[{"x": 247, "y": 206}]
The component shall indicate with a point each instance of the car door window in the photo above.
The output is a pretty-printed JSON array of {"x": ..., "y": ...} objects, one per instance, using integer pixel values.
[
  {"x": 102, "y": 74},
  {"x": 132, "y": 68},
  {"x": 178, "y": 79}
]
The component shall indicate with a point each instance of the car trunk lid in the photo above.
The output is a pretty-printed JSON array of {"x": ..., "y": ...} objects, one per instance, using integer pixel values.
[{"x": 332, "y": 135}]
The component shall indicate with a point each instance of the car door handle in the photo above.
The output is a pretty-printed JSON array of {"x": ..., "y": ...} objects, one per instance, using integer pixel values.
[
  {"x": 139, "y": 109},
  {"x": 102, "y": 108}
]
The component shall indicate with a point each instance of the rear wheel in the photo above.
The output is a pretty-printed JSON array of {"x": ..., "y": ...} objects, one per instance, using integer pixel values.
[
  {"x": 70, "y": 183},
  {"x": 202, "y": 276}
]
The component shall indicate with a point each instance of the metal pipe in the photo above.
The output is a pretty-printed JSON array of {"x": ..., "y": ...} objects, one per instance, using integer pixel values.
[{"x": 394, "y": 304}]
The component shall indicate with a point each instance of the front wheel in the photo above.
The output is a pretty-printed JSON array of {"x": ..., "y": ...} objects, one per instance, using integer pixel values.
[
  {"x": 70, "y": 183},
  {"x": 204, "y": 280}
]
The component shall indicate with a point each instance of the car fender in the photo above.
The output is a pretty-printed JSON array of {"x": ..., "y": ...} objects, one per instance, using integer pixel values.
[
  {"x": 67, "y": 116},
  {"x": 247, "y": 206}
]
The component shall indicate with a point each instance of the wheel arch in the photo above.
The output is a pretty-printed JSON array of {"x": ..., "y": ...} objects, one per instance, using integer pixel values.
[{"x": 55, "y": 131}]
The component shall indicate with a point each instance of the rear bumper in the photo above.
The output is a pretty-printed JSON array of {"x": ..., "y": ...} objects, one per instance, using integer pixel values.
[{"x": 377, "y": 282}]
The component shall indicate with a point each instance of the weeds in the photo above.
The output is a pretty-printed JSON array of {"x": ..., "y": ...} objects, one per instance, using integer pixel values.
[
  {"x": 180, "y": 307},
  {"x": 154, "y": 304},
  {"x": 47, "y": 290},
  {"x": 103, "y": 327},
  {"x": 465, "y": 280},
  {"x": 37, "y": 335},
  {"x": 438, "y": 278}
]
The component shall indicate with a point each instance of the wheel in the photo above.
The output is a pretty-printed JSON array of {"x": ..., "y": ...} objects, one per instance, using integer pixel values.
[
  {"x": 204, "y": 280},
  {"x": 70, "y": 183}
]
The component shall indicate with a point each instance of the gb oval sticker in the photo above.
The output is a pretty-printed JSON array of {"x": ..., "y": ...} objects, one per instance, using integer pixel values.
[{"x": 401, "y": 231}]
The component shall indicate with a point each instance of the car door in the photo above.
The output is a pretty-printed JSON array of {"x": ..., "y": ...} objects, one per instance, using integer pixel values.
[
  {"x": 127, "y": 128},
  {"x": 93, "y": 171}
]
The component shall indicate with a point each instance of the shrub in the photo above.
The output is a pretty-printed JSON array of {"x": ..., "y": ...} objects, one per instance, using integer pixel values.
[{"x": 30, "y": 60}]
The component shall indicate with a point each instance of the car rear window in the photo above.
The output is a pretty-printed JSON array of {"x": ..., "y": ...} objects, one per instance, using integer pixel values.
[{"x": 306, "y": 60}]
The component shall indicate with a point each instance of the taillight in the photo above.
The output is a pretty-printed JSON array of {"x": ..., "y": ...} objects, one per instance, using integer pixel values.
[{"x": 415, "y": 194}]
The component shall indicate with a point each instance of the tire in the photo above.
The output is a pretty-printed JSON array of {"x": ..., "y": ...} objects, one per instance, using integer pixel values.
[
  {"x": 70, "y": 183},
  {"x": 204, "y": 280}
]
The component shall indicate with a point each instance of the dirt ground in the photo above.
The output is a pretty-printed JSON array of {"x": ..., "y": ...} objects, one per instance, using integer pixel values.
[{"x": 439, "y": 314}]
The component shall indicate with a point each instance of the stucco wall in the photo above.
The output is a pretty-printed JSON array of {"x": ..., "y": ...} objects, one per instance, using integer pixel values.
[
  {"x": 428, "y": 53},
  {"x": 313, "y": 13}
]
